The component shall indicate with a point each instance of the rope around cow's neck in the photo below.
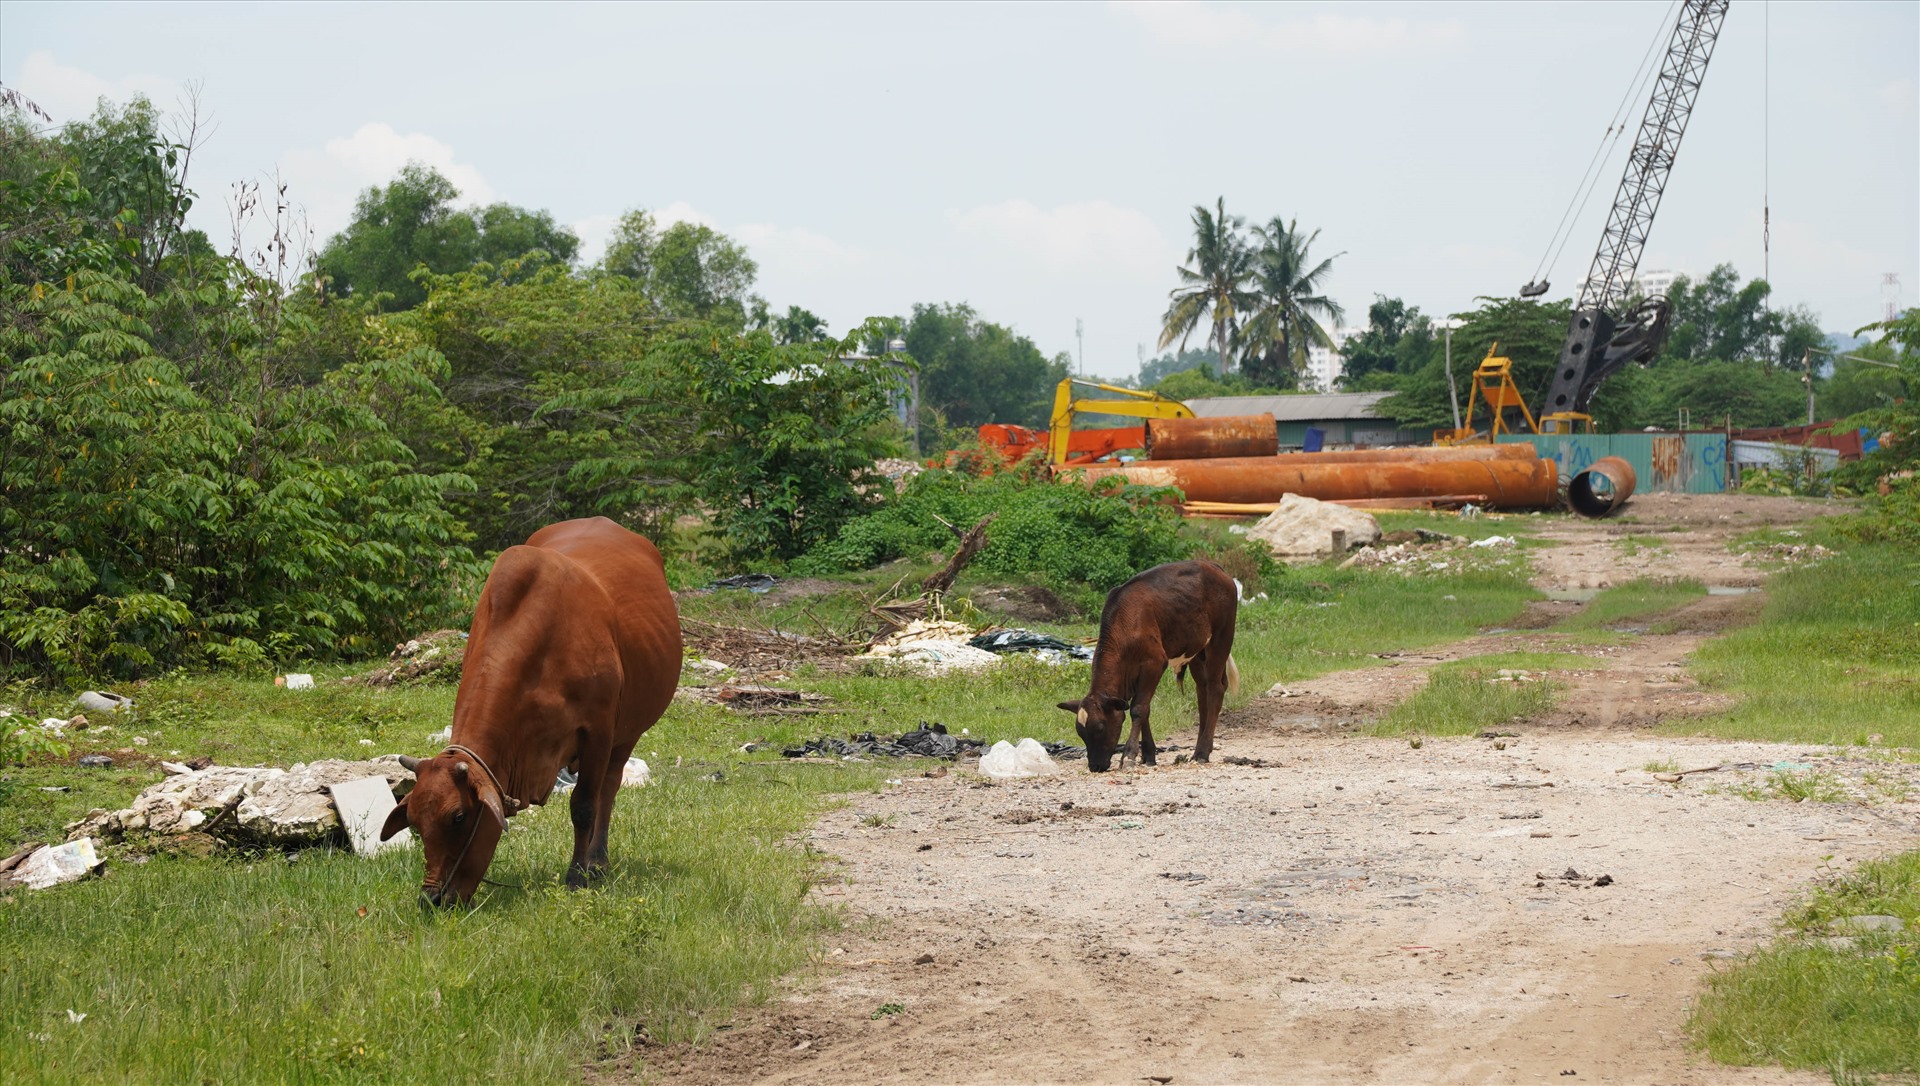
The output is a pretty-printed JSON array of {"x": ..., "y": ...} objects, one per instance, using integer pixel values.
[{"x": 507, "y": 802}]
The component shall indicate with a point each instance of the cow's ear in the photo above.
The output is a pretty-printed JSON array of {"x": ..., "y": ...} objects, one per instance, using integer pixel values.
[
  {"x": 490, "y": 798},
  {"x": 1115, "y": 705},
  {"x": 396, "y": 820},
  {"x": 1070, "y": 706}
]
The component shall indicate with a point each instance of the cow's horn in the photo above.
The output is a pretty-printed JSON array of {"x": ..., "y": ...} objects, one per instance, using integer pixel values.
[
  {"x": 460, "y": 770},
  {"x": 410, "y": 763}
]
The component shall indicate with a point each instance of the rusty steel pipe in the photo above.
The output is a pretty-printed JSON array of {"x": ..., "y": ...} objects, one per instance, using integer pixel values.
[
  {"x": 1605, "y": 485},
  {"x": 1211, "y": 438},
  {"x": 1508, "y": 484},
  {"x": 1420, "y": 454}
]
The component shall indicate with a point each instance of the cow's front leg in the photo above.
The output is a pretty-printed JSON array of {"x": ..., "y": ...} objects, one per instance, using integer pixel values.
[
  {"x": 1143, "y": 734},
  {"x": 584, "y": 805}
]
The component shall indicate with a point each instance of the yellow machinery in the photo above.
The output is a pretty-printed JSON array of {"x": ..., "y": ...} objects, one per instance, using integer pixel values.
[
  {"x": 1493, "y": 385},
  {"x": 1063, "y": 442}
]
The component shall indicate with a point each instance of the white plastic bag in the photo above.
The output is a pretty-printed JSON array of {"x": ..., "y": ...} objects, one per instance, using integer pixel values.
[
  {"x": 1028, "y": 759},
  {"x": 636, "y": 775}
]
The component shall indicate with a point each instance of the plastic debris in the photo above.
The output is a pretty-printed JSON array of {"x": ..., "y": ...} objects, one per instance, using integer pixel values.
[
  {"x": 1027, "y": 759},
  {"x": 636, "y": 775},
  {"x": 55, "y": 864},
  {"x": 96, "y": 761},
  {"x": 1019, "y": 640},
  {"x": 757, "y": 583},
  {"x": 103, "y": 701},
  {"x": 1493, "y": 541},
  {"x": 295, "y": 681},
  {"x": 1469, "y": 511}
]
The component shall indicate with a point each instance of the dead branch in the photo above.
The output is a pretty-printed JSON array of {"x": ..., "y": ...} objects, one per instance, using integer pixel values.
[{"x": 970, "y": 545}]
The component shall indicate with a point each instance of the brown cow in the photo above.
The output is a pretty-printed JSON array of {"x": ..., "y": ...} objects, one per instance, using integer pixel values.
[
  {"x": 1179, "y": 615},
  {"x": 575, "y": 653}
]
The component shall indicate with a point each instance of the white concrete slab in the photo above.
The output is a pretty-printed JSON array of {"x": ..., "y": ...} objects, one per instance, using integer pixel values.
[{"x": 363, "y": 806}]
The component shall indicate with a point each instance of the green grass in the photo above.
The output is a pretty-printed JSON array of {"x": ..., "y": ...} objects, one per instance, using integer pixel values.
[
  {"x": 1835, "y": 657},
  {"x": 1625, "y": 602},
  {"x": 260, "y": 968},
  {"x": 1463, "y": 696},
  {"x": 1853, "y": 1013}
]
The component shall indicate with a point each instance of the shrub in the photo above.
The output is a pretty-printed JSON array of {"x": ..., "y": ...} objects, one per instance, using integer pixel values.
[{"x": 1064, "y": 534}]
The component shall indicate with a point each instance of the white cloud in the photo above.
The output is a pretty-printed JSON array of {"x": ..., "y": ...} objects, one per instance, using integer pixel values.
[
  {"x": 796, "y": 249},
  {"x": 70, "y": 94},
  {"x": 1197, "y": 23},
  {"x": 1091, "y": 235}
]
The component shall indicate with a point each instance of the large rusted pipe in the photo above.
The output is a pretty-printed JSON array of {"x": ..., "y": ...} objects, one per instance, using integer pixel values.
[
  {"x": 1508, "y": 484},
  {"x": 1205, "y": 439},
  {"x": 1604, "y": 486},
  {"x": 1419, "y": 454}
]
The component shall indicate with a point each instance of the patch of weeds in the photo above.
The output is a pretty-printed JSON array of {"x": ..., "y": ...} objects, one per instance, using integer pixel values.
[
  {"x": 1465, "y": 696},
  {"x": 1664, "y": 765},
  {"x": 879, "y": 821},
  {"x": 1852, "y": 1011},
  {"x": 1834, "y": 658},
  {"x": 886, "y": 1009},
  {"x": 1816, "y": 785},
  {"x": 1633, "y": 545}
]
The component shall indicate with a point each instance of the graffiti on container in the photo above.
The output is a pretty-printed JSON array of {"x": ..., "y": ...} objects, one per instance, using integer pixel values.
[
  {"x": 1669, "y": 458},
  {"x": 1713, "y": 460}
]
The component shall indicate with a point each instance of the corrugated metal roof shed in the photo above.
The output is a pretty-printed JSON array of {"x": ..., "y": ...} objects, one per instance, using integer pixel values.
[{"x": 1307, "y": 407}]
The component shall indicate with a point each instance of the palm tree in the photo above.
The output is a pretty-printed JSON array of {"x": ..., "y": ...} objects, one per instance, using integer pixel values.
[
  {"x": 1289, "y": 306},
  {"x": 1215, "y": 284},
  {"x": 798, "y": 326}
]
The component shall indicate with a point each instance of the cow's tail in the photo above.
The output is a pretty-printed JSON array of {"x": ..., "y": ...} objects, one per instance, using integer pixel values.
[{"x": 1233, "y": 675}]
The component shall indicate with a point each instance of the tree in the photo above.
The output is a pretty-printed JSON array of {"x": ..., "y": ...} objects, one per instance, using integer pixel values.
[
  {"x": 1528, "y": 332},
  {"x": 630, "y": 252},
  {"x": 974, "y": 371},
  {"x": 1155, "y": 370},
  {"x": 1289, "y": 303},
  {"x": 412, "y": 222},
  {"x": 797, "y": 325},
  {"x": 1399, "y": 339},
  {"x": 696, "y": 271},
  {"x": 1857, "y": 386},
  {"x": 1214, "y": 286}
]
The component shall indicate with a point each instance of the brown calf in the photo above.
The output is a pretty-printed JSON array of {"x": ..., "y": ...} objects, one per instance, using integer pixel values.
[{"x": 1179, "y": 615}]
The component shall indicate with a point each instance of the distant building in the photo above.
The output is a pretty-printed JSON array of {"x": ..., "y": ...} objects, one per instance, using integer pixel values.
[
  {"x": 1325, "y": 366},
  {"x": 1659, "y": 281}
]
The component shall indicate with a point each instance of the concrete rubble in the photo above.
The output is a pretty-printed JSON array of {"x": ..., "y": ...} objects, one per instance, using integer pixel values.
[
  {"x": 933, "y": 646},
  {"x": 246, "y": 805},
  {"x": 1303, "y": 529}
]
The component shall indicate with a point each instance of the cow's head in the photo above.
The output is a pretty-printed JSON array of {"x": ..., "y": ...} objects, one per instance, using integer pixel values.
[
  {"x": 1098, "y": 719},
  {"x": 459, "y": 815}
]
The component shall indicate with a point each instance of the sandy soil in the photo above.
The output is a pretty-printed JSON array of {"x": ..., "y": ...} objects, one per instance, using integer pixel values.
[{"x": 1328, "y": 908}]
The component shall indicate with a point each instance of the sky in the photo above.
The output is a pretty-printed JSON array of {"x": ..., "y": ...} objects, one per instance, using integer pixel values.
[{"x": 1041, "y": 161}]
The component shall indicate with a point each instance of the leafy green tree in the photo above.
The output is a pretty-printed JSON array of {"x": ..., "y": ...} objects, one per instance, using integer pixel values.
[
  {"x": 1857, "y": 386},
  {"x": 1528, "y": 332},
  {"x": 1714, "y": 393},
  {"x": 1155, "y": 370},
  {"x": 1398, "y": 339},
  {"x": 1200, "y": 383},
  {"x": 698, "y": 272},
  {"x": 412, "y": 222},
  {"x": 1214, "y": 283},
  {"x": 798, "y": 325},
  {"x": 973, "y": 371},
  {"x": 630, "y": 250},
  {"x": 1289, "y": 305},
  {"x": 1717, "y": 317}
]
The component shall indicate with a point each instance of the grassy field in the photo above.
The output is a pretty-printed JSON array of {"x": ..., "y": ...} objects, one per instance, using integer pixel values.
[
  {"x": 320, "y": 967},
  {"x": 1635, "y": 599},
  {"x": 1852, "y": 1011},
  {"x": 1835, "y": 658},
  {"x": 1463, "y": 697}
]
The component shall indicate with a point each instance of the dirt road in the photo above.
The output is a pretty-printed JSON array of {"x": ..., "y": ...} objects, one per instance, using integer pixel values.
[{"x": 1341, "y": 909}]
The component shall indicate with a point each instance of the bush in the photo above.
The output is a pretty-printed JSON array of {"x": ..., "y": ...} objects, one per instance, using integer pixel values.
[{"x": 1064, "y": 534}]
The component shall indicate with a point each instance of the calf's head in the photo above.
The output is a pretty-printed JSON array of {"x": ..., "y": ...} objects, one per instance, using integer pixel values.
[
  {"x": 459, "y": 815},
  {"x": 1098, "y": 719}
]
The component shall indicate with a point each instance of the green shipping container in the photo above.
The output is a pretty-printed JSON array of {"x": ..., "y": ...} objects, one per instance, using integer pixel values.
[{"x": 1689, "y": 463}]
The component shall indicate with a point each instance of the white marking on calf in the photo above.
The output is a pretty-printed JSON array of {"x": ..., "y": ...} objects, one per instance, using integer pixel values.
[{"x": 1081, "y": 716}]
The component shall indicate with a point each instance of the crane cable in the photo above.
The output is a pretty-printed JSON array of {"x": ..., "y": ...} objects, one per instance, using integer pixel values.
[{"x": 1616, "y": 127}]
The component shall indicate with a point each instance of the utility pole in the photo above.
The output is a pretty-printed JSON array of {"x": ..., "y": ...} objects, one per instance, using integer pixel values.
[
  {"x": 1453, "y": 393},
  {"x": 1806, "y": 366},
  {"x": 1080, "y": 337}
]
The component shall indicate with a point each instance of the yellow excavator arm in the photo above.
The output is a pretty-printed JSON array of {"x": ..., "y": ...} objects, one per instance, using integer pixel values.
[{"x": 1128, "y": 401}]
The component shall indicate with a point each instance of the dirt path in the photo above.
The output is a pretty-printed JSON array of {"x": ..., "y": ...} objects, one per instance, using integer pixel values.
[{"x": 1339, "y": 910}]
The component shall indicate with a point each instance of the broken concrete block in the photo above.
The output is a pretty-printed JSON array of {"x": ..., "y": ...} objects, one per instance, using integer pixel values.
[
  {"x": 182, "y": 802},
  {"x": 55, "y": 864},
  {"x": 1303, "y": 528},
  {"x": 363, "y": 806},
  {"x": 296, "y": 809}
]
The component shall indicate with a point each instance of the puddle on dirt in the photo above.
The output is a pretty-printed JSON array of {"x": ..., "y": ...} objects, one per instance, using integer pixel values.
[
  {"x": 1571, "y": 595},
  {"x": 1732, "y": 590}
]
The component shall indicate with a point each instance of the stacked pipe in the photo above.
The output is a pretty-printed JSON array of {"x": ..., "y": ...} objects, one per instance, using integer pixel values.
[{"x": 1495, "y": 476}]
